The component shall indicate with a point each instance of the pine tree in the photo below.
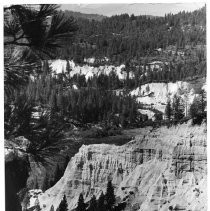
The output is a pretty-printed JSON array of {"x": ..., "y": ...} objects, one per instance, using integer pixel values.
[
  {"x": 168, "y": 110},
  {"x": 194, "y": 108},
  {"x": 110, "y": 197},
  {"x": 177, "y": 107},
  {"x": 93, "y": 204},
  {"x": 197, "y": 109},
  {"x": 81, "y": 204},
  {"x": 100, "y": 204},
  {"x": 63, "y": 206},
  {"x": 52, "y": 208}
]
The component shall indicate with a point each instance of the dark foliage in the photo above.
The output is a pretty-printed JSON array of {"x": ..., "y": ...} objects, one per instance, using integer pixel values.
[
  {"x": 31, "y": 35},
  {"x": 101, "y": 203},
  {"x": 110, "y": 197},
  {"x": 63, "y": 206},
  {"x": 93, "y": 204},
  {"x": 81, "y": 204},
  {"x": 178, "y": 109},
  {"x": 168, "y": 110},
  {"x": 197, "y": 109}
]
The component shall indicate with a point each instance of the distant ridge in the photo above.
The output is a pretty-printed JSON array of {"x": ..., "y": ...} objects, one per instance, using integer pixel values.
[{"x": 77, "y": 15}]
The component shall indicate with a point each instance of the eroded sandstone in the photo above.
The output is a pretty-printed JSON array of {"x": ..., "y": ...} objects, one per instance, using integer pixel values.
[{"x": 160, "y": 168}]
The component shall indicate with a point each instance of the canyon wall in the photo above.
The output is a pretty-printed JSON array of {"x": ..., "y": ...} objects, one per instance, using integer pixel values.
[{"x": 160, "y": 169}]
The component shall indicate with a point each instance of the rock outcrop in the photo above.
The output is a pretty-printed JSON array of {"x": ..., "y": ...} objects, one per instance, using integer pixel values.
[
  {"x": 156, "y": 95},
  {"x": 59, "y": 66},
  {"x": 161, "y": 169}
]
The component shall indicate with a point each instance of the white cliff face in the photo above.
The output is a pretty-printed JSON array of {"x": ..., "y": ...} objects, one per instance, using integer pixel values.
[
  {"x": 156, "y": 95},
  {"x": 158, "y": 169},
  {"x": 59, "y": 66}
]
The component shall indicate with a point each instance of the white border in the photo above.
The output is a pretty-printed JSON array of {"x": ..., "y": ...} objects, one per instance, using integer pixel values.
[{"x": 2, "y": 191}]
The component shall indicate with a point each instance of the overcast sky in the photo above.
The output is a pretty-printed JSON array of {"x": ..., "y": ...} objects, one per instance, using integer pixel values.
[{"x": 137, "y": 9}]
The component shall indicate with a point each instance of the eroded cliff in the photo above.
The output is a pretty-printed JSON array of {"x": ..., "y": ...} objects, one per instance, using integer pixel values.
[{"x": 160, "y": 169}]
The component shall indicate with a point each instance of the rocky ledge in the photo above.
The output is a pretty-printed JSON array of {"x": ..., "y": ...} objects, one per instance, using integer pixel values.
[{"x": 161, "y": 169}]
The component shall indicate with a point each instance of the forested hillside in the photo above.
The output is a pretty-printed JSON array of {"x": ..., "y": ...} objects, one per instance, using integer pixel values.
[
  {"x": 153, "y": 49},
  {"x": 124, "y": 37},
  {"x": 78, "y": 15}
]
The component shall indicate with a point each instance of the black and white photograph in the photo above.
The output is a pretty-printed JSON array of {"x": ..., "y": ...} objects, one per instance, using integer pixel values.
[{"x": 105, "y": 106}]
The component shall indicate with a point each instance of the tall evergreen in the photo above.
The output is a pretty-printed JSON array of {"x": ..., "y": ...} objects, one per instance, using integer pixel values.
[
  {"x": 81, "y": 204},
  {"x": 178, "y": 110},
  {"x": 168, "y": 110},
  {"x": 197, "y": 109},
  {"x": 110, "y": 197},
  {"x": 93, "y": 204},
  {"x": 52, "y": 208},
  {"x": 63, "y": 206},
  {"x": 101, "y": 203}
]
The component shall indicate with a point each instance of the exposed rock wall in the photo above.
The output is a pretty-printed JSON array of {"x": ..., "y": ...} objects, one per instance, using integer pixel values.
[
  {"x": 156, "y": 95},
  {"x": 59, "y": 66},
  {"x": 158, "y": 169}
]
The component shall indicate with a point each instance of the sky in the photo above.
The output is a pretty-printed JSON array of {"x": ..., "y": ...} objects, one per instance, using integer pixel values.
[{"x": 137, "y": 9}]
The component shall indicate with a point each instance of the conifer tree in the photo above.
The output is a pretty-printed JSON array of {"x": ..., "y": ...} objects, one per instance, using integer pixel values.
[
  {"x": 177, "y": 107},
  {"x": 93, "y": 204},
  {"x": 81, "y": 204},
  {"x": 110, "y": 197},
  {"x": 101, "y": 204},
  {"x": 168, "y": 110},
  {"x": 197, "y": 109},
  {"x": 63, "y": 206},
  {"x": 52, "y": 208}
]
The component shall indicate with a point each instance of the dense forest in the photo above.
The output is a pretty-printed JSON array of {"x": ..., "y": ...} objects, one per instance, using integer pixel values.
[{"x": 123, "y": 37}]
